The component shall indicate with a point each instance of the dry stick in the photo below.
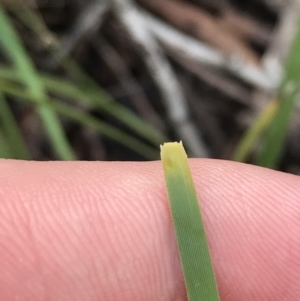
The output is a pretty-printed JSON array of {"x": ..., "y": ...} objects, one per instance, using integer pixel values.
[
  {"x": 244, "y": 26},
  {"x": 163, "y": 75},
  {"x": 127, "y": 81},
  {"x": 213, "y": 77},
  {"x": 88, "y": 21},
  {"x": 200, "y": 53},
  {"x": 192, "y": 19},
  {"x": 203, "y": 117},
  {"x": 274, "y": 58},
  {"x": 226, "y": 86}
]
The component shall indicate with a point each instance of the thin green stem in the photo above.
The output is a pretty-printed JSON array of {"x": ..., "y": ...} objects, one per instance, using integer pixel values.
[
  {"x": 192, "y": 244},
  {"x": 15, "y": 50},
  {"x": 84, "y": 119},
  {"x": 13, "y": 134}
]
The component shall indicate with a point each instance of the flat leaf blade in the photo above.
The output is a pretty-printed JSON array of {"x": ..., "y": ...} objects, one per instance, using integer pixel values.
[
  {"x": 276, "y": 135},
  {"x": 190, "y": 233}
]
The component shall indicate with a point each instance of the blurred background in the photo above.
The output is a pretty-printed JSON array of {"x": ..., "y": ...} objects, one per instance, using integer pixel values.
[{"x": 114, "y": 79}]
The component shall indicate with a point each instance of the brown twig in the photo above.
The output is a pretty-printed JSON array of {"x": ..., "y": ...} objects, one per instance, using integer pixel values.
[
  {"x": 245, "y": 27},
  {"x": 87, "y": 22},
  {"x": 213, "y": 76},
  {"x": 193, "y": 20},
  {"x": 199, "y": 53},
  {"x": 162, "y": 74},
  {"x": 128, "y": 83}
]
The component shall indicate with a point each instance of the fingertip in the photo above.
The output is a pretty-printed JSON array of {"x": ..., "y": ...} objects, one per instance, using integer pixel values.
[{"x": 103, "y": 230}]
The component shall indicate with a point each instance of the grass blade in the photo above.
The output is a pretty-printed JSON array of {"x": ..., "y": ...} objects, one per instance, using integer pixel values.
[
  {"x": 246, "y": 143},
  {"x": 106, "y": 129},
  {"x": 101, "y": 99},
  {"x": 5, "y": 152},
  {"x": 13, "y": 134},
  {"x": 289, "y": 90},
  {"x": 64, "y": 88},
  {"x": 190, "y": 233},
  {"x": 15, "y": 50},
  {"x": 84, "y": 119}
]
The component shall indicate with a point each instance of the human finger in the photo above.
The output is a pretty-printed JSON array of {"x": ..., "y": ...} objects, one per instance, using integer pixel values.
[{"x": 102, "y": 231}]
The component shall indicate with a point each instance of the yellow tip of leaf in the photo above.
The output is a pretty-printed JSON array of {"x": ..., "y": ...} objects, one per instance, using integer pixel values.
[{"x": 189, "y": 229}]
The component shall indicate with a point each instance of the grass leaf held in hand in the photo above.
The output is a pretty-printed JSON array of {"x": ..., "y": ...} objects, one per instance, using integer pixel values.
[{"x": 190, "y": 233}]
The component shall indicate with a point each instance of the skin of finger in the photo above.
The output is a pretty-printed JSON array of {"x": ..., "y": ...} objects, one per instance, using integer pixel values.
[{"x": 102, "y": 231}]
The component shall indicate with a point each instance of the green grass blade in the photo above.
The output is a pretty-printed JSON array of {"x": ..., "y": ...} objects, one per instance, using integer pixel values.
[
  {"x": 107, "y": 104},
  {"x": 61, "y": 87},
  {"x": 289, "y": 90},
  {"x": 5, "y": 152},
  {"x": 248, "y": 140},
  {"x": 15, "y": 50},
  {"x": 101, "y": 99},
  {"x": 106, "y": 129},
  {"x": 84, "y": 119},
  {"x": 13, "y": 134},
  {"x": 190, "y": 233}
]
